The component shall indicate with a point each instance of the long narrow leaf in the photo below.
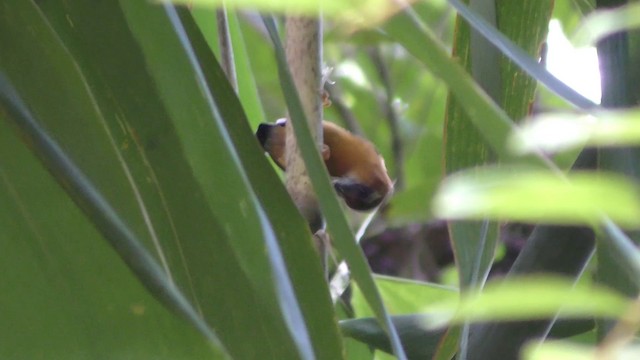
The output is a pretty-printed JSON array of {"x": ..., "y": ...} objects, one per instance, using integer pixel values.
[
  {"x": 101, "y": 213},
  {"x": 530, "y": 298},
  {"x": 301, "y": 258},
  {"x": 165, "y": 129},
  {"x": 341, "y": 234},
  {"x": 282, "y": 284},
  {"x": 493, "y": 124},
  {"x": 518, "y": 56},
  {"x": 603, "y": 23}
]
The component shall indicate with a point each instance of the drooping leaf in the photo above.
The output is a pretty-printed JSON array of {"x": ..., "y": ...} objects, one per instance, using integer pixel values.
[
  {"x": 534, "y": 196},
  {"x": 564, "y": 350},
  {"x": 561, "y": 131},
  {"x": 602, "y": 23},
  {"x": 529, "y": 297}
]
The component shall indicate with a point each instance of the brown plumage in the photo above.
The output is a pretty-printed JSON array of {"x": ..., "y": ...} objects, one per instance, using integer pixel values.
[{"x": 358, "y": 170}]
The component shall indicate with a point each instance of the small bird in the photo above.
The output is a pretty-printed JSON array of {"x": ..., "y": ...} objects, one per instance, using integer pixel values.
[{"x": 357, "y": 169}]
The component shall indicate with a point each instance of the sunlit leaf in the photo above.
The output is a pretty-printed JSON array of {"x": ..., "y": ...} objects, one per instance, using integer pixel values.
[
  {"x": 534, "y": 196},
  {"x": 402, "y": 296},
  {"x": 418, "y": 342},
  {"x": 561, "y": 131},
  {"x": 564, "y": 350},
  {"x": 352, "y": 12},
  {"x": 603, "y": 23},
  {"x": 530, "y": 297}
]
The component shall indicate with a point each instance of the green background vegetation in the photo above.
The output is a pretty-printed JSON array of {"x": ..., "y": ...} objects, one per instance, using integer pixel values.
[{"x": 140, "y": 219}]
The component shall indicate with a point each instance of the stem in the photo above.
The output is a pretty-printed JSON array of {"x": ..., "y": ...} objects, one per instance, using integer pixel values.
[
  {"x": 304, "y": 53},
  {"x": 391, "y": 116},
  {"x": 226, "y": 48}
]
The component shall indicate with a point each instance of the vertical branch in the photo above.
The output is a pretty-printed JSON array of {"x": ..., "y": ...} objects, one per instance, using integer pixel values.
[
  {"x": 343, "y": 110},
  {"x": 391, "y": 116},
  {"x": 304, "y": 53},
  {"x": 226, "y": 49}
]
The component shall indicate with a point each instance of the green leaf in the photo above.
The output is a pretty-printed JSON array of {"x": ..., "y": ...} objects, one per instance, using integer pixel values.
[
  {"x": 412, "y": 205},
  {"x": 60, "y": 274},
  {"x": 247, "y": 90},
  {"x": 561, "y": 131},
  {"x": 519, "y": 195},
  {"x": 564, "y": 328},
  {"x": 423, "y": 343},
  {"x": 338, "y": 227},
  {"x": 520, "y": 57},
  {"x": 602, "y": 23},
  {"x": 473, "y": 243},
  {"x": 359, "y": 12},
  {"x": 134, "y": 113},
  {"x": 526, "y": 24},
  {"x": 564, "y": 350},
  {"x": 560, "y": 250},
  {"x": 492, "y": 123},
  {"x": 417, "y": 342},
  {"x": 402, "y": 297},
  {"x": 529, "y": 297},
  {"x": 302, "y": 262}
]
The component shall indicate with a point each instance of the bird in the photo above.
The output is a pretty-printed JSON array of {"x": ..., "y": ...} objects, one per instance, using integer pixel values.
[{"x": 357, "y": 169}]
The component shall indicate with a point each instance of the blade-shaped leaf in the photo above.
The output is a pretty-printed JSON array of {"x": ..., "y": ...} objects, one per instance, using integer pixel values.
[
  {"x": 359, "y": 12},
  {"x": 421, "y": 342},
  {"x": 402, "y": 297},
  {"x": 603, "y": 23},
  {"x": 303, "y": 264},
  {"x": 530, "y": 297},
  {"x": 518, "y": 56},
  {"x": 493, "y": 124},
  {"x": 417, "y": 342},
  {"x": 560, "y": 131},
  {"x": 41, "y": 248},
  {"x": 520, "y": 195},
  {"x": 339, "y": 228},
  {"x": 167, "y": 162},
  {"x": 564, "y": 350},
  {"x": 247, "y": 90}
]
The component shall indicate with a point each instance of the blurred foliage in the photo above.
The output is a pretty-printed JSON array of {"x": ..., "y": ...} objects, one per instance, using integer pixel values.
[{"x": 141, "y": 219}]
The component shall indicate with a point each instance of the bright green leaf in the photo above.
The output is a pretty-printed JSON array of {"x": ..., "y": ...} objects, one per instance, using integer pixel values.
[
  {"x": 530, "y": 297},
  {"x": 402, "y": 296},
  {"x": 603, "y": 23},
  {"x": 535, "y": 196},
  {"x": 352, "y": 12},
  {"x": 560, "y": 131},
  {"x": 563, "y": 350}
]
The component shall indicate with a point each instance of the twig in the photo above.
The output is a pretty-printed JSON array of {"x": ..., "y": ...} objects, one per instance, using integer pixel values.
[
  {"x": 621, "y": 334},
  {"x": 343, "y": 110},
  {"x": 226, "y": 48},
  {"x": 391, "y": 116}
]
